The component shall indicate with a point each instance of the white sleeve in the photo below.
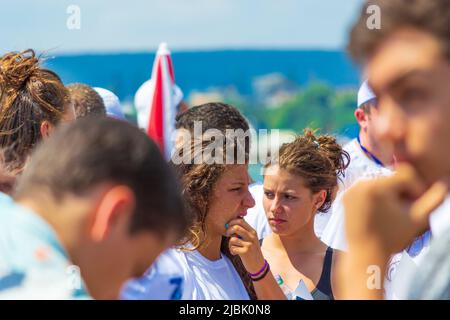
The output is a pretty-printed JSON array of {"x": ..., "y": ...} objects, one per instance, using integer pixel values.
[
  {"x": 334, "y": 233},
  {"x": 164, "y": 280}
]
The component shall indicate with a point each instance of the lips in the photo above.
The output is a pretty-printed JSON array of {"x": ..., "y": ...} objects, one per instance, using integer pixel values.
[
  {"x": 276, "y": 222},
  {"x": 242, "y": 215}
]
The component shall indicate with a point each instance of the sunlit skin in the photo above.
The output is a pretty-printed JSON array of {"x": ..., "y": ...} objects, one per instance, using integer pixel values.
[
  {"x": 68, "y": 116},
  {"x": 411, "y": 77},
  {"x": 293, "y": 249},
  {"x": 229, "y": 201},
  {"x": 94, "y": 230},
  {"x": 368, "y": 135}
]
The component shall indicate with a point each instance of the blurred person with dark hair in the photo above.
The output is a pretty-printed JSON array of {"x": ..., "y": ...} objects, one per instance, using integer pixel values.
[
  {"x": 33, "y": 101},
  {"x": 86, "y": 101},
  {"x": 95, "y": 206},
  {"x": 408, "y": 65}
]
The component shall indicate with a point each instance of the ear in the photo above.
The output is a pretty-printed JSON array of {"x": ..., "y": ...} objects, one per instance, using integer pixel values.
[
  {"x": 46, "y": 129},
  {"x": 361, "y": 117},
  {"x": 319, "y": 198},
  {"x": 115, "y": 207}
]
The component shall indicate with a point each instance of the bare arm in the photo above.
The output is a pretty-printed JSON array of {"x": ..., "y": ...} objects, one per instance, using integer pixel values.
[{"x": 244, "y": 242}]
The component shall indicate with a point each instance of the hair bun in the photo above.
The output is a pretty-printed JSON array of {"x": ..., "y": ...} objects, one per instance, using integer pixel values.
[{"x": 16, "y": 69}]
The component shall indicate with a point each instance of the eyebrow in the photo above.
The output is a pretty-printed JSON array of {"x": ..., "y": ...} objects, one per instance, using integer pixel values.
[
  {"x": 289, "y": 192},
  {"x": 401, "y": 78}
]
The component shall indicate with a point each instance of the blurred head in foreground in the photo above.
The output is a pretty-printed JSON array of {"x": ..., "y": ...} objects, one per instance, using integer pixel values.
[
  {"x": 407, "y": 61},
  {"x": 113, "y": 201}
]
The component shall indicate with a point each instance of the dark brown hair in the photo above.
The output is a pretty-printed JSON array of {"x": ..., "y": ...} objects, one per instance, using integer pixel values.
[
  {"x": 318, "y": 159},
  {"x": 430, "y": 16},
  {"x": 7, "y": 178},
  {"x": 29, "y": 95},
  {"x": 213, "y": 115},
  {"x": 86, "y": 100}
]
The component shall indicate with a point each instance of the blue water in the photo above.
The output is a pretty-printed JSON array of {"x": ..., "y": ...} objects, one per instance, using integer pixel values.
[{"x": 123, "y": 73}]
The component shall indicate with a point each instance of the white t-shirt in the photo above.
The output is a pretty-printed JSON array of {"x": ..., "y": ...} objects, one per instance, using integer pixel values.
[
  {"x": 202, "y": 279},
  {"x": 360, "y": 167},
  {"x": 400, "y": 273}
]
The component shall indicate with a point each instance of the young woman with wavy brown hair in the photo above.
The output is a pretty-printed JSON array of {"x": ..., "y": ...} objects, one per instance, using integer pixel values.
[{"x": 219, "y": 257}]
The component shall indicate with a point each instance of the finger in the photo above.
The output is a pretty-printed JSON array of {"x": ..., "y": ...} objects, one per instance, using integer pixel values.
[
  {"x": 406, "y": 182},
  {"x": 236, "y": 242},
  {"x": 238, "y": 250},
  {"x": 426, "y": 204},
  {"x": 242, "y": 223},
  {"x": 240, "y": 232}
]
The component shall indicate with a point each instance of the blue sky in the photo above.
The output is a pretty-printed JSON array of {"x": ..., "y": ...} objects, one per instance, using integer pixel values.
[{"x": 139, "y": 25}]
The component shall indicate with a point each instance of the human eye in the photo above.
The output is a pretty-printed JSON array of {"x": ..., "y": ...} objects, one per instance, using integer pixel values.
[
  {"x": 289, "y": 197},
  {"x": 268, "y": 194}
]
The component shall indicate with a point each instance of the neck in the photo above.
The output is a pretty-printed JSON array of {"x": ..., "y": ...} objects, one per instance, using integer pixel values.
[
  {"x": 210, "y": 247},
  {"x": 371, "y": 147},
  {"x": 303, "y": 240},
  {"x": 65, "y": 228}
]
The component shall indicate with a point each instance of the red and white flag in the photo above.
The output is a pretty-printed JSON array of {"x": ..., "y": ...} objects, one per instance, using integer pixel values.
[{"x": 156, "y": 101}]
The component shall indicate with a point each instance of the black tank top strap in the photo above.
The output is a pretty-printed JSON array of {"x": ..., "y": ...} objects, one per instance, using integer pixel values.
[{"x": 323, "y": 289}]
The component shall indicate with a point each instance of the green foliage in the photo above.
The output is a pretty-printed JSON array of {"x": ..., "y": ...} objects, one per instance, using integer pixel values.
[{"x": 317, "y": 105}]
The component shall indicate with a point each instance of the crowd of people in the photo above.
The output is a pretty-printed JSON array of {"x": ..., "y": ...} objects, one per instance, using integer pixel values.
[{"x": 90, "y": 208}]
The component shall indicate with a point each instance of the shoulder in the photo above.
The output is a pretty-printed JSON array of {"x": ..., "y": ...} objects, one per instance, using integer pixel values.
[
  {"x": 433, "y": 278},
  {"x": 351, "y": 147},
  {"x": 164, "y": 280}
]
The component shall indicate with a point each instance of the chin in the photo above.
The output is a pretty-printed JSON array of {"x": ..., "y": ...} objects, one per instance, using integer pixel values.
[{"x": 280, "y": 230}]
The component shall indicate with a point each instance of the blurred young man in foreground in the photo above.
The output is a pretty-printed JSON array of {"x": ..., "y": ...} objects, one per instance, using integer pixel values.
[
  {"x": 408, "y": 65},
  {"x": 95, "y": 206}
]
